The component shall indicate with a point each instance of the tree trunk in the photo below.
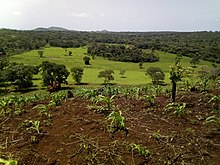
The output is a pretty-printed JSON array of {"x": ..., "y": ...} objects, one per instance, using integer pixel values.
[{"x": 174, "y": 91}]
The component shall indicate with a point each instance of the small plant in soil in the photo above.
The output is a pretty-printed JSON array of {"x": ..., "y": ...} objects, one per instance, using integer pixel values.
[
  {"x": 150, "y": 99},
  {"x": 215, "y": 100},
  {"x": 43, "y": 110},
  {"x": 117, "y": 122},
  {"x": 32, "y": 125},
  {"x": 141, "y": 150},
  {"x": 8, "y": 162},
  {"x": 215, "y": 120},
  {"x": 178, "y": 109},
  {"x": 107, "y": 101}
]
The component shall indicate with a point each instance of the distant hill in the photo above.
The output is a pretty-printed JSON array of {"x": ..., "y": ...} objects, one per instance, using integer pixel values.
[{"x": 51, "y": 29}]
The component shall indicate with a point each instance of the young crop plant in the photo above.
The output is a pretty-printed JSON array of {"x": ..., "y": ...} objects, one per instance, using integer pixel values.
[
  {"x": 107, "y": 101},
  {"x": 8, "y": 162},
  {"x": 141, "y": 150},
  {"x": 215, "y": 100},
  {"x": 43, "y": 110},
  {"x": 150, "y": 99},
  {"x": 57, "y": 97},
  {"x": 117, "y": 122},
  {"x": 215, "y": 120},
  {"x": 178, "y": 109},
  {"x": 32, "y": 125}
]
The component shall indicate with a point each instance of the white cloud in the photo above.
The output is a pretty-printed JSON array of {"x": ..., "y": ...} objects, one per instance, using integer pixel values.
[
  {"x": 102, "y": 14},
  {"x": 80, "y": 15},
  {"x": 17, "y": 13}
]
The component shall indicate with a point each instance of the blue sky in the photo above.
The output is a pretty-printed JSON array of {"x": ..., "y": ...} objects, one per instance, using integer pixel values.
[{"x": 114, "y": 15}]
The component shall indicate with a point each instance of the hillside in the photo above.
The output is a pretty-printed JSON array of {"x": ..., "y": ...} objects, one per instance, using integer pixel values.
[{"x": 53, "y": 28}]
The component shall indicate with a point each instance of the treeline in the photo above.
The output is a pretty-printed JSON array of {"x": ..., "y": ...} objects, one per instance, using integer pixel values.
[
  {"x": 122, "y": 53},
  {"x": 204, "y": 45}
]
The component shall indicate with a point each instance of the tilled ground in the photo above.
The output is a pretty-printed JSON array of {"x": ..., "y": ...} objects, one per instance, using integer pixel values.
[{"x": 76, "y": 133}]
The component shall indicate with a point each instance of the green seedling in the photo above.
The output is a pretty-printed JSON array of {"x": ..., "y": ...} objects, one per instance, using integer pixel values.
[
  {"x": 150, "y": 99},
  {"x": 178, "y": 109},
  {"x": 215, "y": 120},
  {"x": 117, "y": 121},
  {"x": 106, "y": 100},
  {"x": 8, "y": 162},
  {"x": 43, "y": 110},
  {"x": 31, "y": 124},
  {"x": 215, "y": 100},
  {"x": 141, "y": 150}
]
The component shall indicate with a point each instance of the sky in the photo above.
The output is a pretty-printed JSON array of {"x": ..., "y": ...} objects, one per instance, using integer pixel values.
[{"x": 112, "y": 15}]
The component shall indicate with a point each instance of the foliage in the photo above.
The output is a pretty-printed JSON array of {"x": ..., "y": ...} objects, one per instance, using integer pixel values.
[
  {"x": 176, "y": 74},
  {"x": 32, "y": 125},
  {"x": 52, "y": 72},
  {"x": 178, "y": 109},
  {"x": 77, "y": 73},
  {"x": 122, "y": 53},
  {"x": 141, "y": 150},
  {"x": 107, "y": 101},
  {"x": 40, "y": 53},
  {"x": 20, "y": 75},
  {"x": 122, "y": 73},
  {"x": 8, "y": 162},
  {"x": 156, "y": 74},
  {"x": 57, "y": 97},
  {"x": 215, "y": 120},
  {"x": 117, "y": 121},
  {"x": 107, "y": 74},
  {"x": 86, "y": 60}
]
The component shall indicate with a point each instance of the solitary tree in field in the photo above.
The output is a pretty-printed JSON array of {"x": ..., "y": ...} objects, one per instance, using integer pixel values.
[
  {"x": 53, "y": 73},
  {"x": 70, "y": 53},
  {"x": 86, "y": 60},
  {"x": 107, "y": 74},
  {"x": 176, "y": 74},
  {"x": 122, "y": 73},
  {"x": 77, "y": 73},
  {"x": 40, "y": 53},
  {"x": 194, "y": 61},
  {"x": 141, "y": 65},
  {"x": 156, "y": 74}
]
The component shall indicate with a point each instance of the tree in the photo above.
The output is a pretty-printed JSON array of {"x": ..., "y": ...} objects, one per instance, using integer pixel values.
[
  {"x": 156, "y": 74},
  {"x": 70, "y": 53},
  {"x": 86, "y": 59},
  {"x": 141, "y": 65},
  {"x": 176, "y": 74},
  {"x": 40, "y": 53},
  {"x": 20, "y": 75},
  {"x": 53, "y": 73},
  {"x": 107, "y": 74},
  {"x": 122, "y": 73},
  {"x": 194, "y": 61},
  {"x": 77, "y": 73}
]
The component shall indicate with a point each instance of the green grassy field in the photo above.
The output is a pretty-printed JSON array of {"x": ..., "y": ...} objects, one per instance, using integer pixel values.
[{"x": 133, "y": 74}]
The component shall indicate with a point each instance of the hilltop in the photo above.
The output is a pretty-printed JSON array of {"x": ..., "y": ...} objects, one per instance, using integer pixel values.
[{"x": 53, "y": 28}]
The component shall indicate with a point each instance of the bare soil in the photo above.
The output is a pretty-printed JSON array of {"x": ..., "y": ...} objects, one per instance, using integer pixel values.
[{"x": 75, "y": 134}]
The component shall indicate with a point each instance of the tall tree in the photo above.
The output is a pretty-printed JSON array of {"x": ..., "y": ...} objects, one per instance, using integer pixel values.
[
  {"x": 52, "y": 72},
  {"x": 77, "y": 74}
]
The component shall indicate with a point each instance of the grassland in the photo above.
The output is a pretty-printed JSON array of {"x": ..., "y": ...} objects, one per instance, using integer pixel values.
[{"x": 133, "y": 75}]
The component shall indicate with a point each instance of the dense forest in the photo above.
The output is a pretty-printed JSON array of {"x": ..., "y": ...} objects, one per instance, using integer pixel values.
[{"x": 202, "y": 45}]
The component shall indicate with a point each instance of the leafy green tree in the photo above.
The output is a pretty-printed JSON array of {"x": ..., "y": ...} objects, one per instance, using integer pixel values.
[
  {"x": 70, "y": 53},
  {"x": 52, "y": 72},
  {"x": 77, "y": 74},
  {"x": 156, "y": 74},
  {"x": 107, "y": 74},
  {"x": 122, "y": 73},
  {"x": 176, "y": 74},
  {"x": 20, "y": 75},
  {"x": 194, "y": 61},
  {"x": 141, "y": 65},
  {"x": 40, "y": 53},
  {"x": 86, "y": 60}
]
